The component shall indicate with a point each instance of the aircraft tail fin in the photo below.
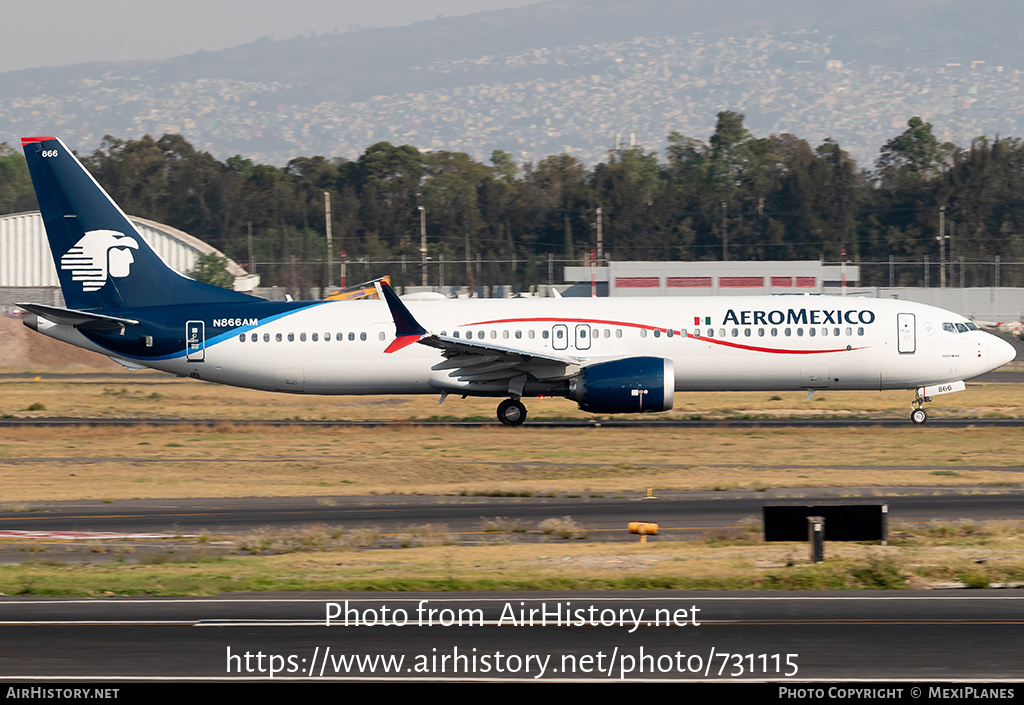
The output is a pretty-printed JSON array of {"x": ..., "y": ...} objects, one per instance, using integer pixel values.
[{"x": 102, "y": 261}]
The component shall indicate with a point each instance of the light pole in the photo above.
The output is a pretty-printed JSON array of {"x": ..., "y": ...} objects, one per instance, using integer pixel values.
[
  {"x": 942, "y": 247},
  {"x": 330, "y": 238},
  {"x": 725, "y": 232},
  {"x": 423, "y": 244}
]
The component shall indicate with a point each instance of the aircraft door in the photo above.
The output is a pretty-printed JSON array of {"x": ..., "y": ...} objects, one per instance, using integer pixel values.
[
  {"x": 195, "y": 341},
  {"x": 583, "y": 336},
  {"x": 560, "y": 336},
  {"x": 906, "y": 341}
]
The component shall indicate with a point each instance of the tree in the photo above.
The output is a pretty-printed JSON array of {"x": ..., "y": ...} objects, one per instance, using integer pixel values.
[
  {"x": 914, "y": 155},
  {"x": 212, "y": 269}
]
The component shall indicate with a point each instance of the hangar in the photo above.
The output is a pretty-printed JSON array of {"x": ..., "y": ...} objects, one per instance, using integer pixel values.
[{"x": 27, "y": 272}]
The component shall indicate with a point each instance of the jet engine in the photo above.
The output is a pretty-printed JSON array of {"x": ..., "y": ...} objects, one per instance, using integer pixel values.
[{"x": 625, "y": 386}]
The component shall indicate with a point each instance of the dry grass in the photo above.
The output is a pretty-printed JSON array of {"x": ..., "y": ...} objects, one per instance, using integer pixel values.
[
  {"x": 157, "y": 395},
  {"x": 105, "y": 463},
  {"x": 232, "y": 460},
  {"x": 711, "y": 564}
]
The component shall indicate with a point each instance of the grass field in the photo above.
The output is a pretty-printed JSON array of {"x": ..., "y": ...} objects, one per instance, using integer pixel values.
[
  {"x": 230, "y": 460},
  {"x": 157, "y": 395},
  {"x": 80, "y": 462},
  {"x": 919, "y": 557}
]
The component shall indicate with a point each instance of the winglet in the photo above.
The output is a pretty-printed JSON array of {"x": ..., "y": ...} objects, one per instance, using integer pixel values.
[{"x": 407, "y": 328}]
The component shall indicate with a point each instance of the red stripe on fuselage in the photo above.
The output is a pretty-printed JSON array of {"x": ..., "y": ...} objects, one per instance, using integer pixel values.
[{"x": 624, "y": 324}]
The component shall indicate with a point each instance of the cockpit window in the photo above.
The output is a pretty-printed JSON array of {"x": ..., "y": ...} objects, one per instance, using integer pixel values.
[
  {"x": 971, "y": 326},
  {"x": 961, "y": 328},
  {"x": 949, "y": 327}
]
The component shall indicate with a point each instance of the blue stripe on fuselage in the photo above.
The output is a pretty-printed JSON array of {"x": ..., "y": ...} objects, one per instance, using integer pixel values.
[{"x": 167, "y": 327}]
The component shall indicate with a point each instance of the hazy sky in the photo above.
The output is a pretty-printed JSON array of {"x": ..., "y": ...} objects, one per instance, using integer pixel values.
[{"x": 61, "y": 32}]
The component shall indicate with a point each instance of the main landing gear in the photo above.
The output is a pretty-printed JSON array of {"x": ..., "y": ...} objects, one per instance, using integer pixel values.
[
  {"x": 512, "y": 412},
  {"x": 919, "y": 415}
]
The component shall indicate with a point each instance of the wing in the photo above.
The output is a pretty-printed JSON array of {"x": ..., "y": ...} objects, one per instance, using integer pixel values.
[{"x": 477, "y": 366}]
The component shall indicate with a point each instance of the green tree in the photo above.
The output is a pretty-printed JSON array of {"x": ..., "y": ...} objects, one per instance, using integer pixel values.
[
  {"x": 16, "y": 192},
  {"x": 212, "y": 269},
  {"x": 915, "y": 154}
]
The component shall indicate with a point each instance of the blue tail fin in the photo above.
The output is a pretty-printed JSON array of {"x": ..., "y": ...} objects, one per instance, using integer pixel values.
[{"x": 101, "y": 259}]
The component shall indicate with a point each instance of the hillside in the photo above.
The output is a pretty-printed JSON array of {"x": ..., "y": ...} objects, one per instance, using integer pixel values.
[
  {"x": 25, "y": 350},
  {"x": 560, "y": 76}
]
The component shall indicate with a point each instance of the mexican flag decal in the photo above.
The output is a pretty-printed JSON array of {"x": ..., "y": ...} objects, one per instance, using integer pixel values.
[{"x": 707, "y": 320}]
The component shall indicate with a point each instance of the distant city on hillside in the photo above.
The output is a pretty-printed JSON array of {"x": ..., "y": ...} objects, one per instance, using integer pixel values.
[{"x": 536, "y": 84}]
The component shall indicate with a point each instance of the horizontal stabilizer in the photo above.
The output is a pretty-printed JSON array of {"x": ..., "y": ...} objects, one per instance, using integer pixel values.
[{"x": 79, "y": 319}]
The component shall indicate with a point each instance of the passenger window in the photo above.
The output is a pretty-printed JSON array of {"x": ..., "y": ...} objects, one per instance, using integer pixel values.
[
  {"x": 721, "y": 332},
  {"x": 241, "y": 338},
  {"x": 253, "y": 338},
  {"x": 810, "y": 332},
  {"x": 351, "y": 336},
  {"x": 266, "y": 337},
  {"x": 643, "y": 332},
  {"x": 519, "y": 334},
  {"x": 279, "y": 337},
  {"x": 657, "y": 333},
  {"x": 302, "y": 337},
  {"x": 381, "y": 335},
  {"x": 362, "y": 336},
  {"x": 711, "y": 332},
  {"x": 860, "y": 331}
]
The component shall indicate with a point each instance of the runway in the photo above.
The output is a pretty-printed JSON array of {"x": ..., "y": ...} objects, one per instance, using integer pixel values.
[
  {"x": 813, "y": 422},
  {"x": 681, "y": 515},
  {"x": 579, "y": 636}
]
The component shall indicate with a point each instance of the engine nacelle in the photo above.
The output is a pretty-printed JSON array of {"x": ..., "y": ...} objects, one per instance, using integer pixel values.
[{"x": 625, "y": 386}]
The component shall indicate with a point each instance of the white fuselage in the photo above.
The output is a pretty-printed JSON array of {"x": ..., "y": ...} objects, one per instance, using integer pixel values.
[{"x": 715, "y": 343}]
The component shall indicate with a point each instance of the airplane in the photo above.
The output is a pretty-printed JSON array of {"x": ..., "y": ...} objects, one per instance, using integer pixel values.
[{"x": 609, "y": 355}]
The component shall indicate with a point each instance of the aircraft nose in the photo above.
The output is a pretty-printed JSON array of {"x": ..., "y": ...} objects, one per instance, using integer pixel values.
[{"x": 1000, "y": 352}]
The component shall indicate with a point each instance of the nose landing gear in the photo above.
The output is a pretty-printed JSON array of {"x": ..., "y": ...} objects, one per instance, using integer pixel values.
[
  {"x": 511, "y": 412},
  {"x": 918, "y": 416}
]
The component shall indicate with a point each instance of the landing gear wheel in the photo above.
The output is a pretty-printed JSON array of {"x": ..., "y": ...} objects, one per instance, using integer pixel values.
[
  {"x": 918, "y": 416},
  {"x": 511, "y": 412}
]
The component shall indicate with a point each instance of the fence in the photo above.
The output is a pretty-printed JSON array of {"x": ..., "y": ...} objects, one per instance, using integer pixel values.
[
  {"x": 959, "y": 274},
  {"x": 524, "y": 274}
]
